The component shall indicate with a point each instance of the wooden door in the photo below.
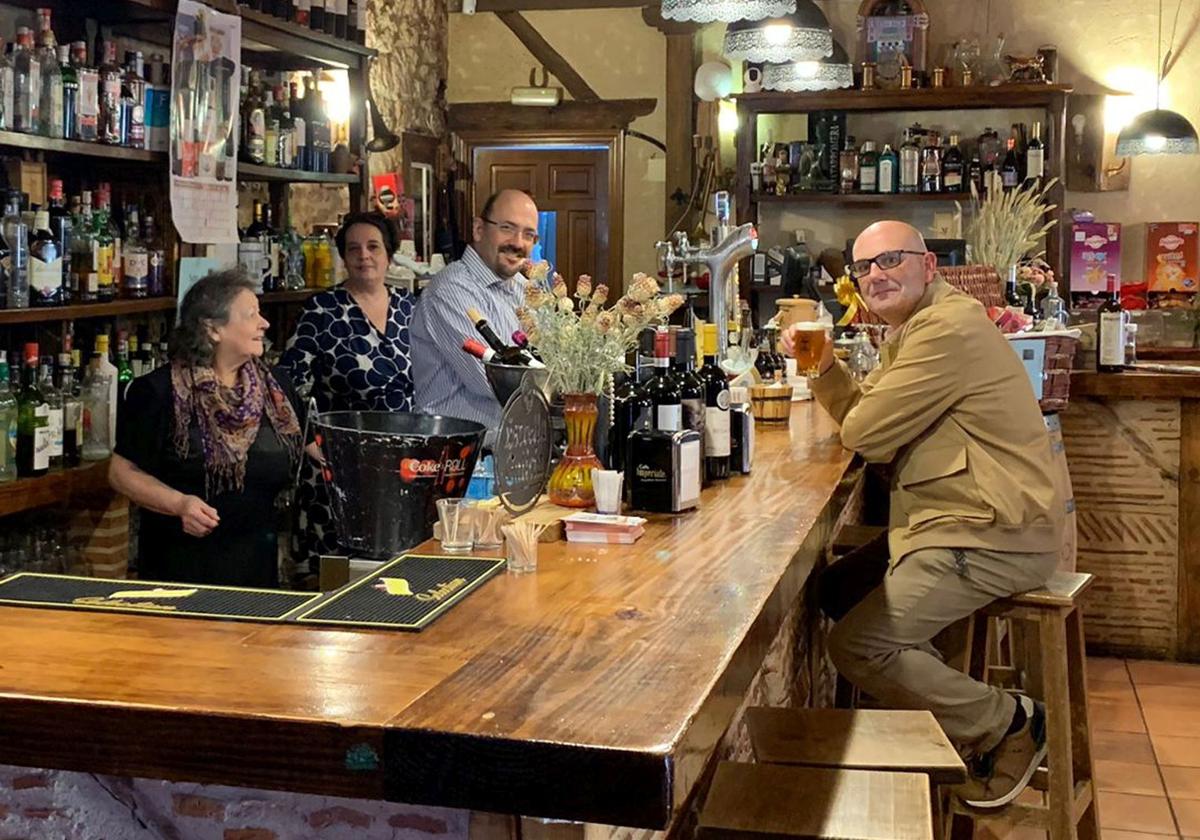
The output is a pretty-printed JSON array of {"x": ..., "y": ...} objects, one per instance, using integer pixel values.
[{"x": 572, "y": 184}]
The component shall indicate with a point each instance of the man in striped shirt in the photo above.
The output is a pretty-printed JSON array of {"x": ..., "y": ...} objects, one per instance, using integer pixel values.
[{"x": 487, "y": 278}]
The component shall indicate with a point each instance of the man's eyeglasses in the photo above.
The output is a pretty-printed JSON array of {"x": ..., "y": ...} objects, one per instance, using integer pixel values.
[
  {"x": 509, "y": 229},
  {"x": 888, "y": 259}
]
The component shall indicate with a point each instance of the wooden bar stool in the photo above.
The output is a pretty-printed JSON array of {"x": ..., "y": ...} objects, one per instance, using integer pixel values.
[
  {"x": 778, "y": 802},
  {"x": 1054, "y": 632},
  {"x": 858, "y": 739}
]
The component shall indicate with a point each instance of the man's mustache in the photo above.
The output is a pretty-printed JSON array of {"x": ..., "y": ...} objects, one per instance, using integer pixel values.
[{"x": 517, "y": 252}]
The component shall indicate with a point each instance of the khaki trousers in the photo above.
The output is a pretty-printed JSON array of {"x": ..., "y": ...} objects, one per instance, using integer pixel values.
[{"x": 883, "y": 643}]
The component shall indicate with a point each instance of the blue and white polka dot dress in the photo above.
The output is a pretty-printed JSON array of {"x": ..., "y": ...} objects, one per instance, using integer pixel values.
[{"x": 339, "y": 358}]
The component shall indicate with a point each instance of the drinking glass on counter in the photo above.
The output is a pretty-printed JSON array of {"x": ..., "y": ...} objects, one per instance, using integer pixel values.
[
  {"x": 808, "y": 342},
  {"x": 458, "y": 525},
  {"x": 488, "y": 520}
]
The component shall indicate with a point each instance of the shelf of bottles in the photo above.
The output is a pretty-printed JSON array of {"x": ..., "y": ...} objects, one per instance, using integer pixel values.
[
  {"x": 76, "y": 312},
  {"x": 24, "y": 494},
  {"x": 916, "y": 99}
]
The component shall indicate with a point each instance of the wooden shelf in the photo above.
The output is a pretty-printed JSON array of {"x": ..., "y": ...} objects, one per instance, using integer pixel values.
[
  {"x": 1169, "y": 354},
  {"x": 85, "y": 310},
  {"x": 858, "y": 199},
  {"x": 50, "y": 145},
  {"x": 922, "y": 99},
  {"x": 255, "y": 172},
  {"x": 290, "y": 296},
  {"x": 53, "y": 488}
]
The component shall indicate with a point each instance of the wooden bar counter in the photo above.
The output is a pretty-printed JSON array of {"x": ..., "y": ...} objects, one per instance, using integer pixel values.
[
  {"x": 1133, "y": 448},
  {"x": 596, "y": 690}
]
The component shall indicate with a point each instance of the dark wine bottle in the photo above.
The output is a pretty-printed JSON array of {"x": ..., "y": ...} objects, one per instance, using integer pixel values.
[
  {"x": 716, "y": 411},
  {"x": 1110, "y": 331},
  {"x": 662, "y": 389}
]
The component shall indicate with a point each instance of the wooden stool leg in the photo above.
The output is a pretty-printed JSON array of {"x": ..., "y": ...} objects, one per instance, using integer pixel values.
[
  {"x": 1081, "y": 734},
  {"x": 1061, "y": 799}
]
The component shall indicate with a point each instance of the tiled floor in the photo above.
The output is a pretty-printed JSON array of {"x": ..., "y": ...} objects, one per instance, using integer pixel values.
[{"x": 1145, "y": 719}]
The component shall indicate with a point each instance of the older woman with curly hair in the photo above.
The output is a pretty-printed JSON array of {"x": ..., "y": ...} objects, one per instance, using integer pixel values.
[{"x": 206, "y": 444}]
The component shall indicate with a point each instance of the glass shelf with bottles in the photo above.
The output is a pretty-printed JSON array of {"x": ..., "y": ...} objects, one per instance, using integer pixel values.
[
  {"x": 286, "y": 136},
  {"x": 344, "y": 20},
  {"x": 921, "y": 167}
]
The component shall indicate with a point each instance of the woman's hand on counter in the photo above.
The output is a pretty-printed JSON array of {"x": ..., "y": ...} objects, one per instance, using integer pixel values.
[{"x": 197, "y": 517}]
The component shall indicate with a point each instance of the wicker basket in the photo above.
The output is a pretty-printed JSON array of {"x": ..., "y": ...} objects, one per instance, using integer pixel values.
[
  {"x": 1056, "y": 368},
  {"x": 771, "y": 404}
]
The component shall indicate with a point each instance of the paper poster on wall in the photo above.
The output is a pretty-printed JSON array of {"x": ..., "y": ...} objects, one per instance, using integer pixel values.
[{"x": 204, "y": 119}]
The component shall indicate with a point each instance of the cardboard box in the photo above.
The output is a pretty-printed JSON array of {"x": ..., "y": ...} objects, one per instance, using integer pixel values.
[
  {"x": 1172, "y": 260},
  {"x": 1095, "y": 254}
]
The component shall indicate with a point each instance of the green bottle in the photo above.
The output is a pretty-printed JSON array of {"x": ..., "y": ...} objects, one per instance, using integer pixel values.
[
  {"x": 124, "y": 368},
  {"x": 8, "y": 425},
  {"x": 33, "y": 421}
]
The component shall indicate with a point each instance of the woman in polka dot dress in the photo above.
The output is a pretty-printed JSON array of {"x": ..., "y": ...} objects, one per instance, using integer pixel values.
[{"x": 350, "y": 352}]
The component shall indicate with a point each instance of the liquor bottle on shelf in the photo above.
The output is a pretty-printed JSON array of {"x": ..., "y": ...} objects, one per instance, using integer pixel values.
[
  {"x": 303, "y": 12},
  {"x": 316, "y": 16},
  {"x": 352, "y": 19},
  {"x": 318, "y": 127},
  {"x": 85, "y": 253},
  {"x": 291, "y": 257},
  {"x": 254, "y": 135},
  {"x": 72, "y": 434},
  {"x": 991, "y": 150},
  {"x": 8, "y": 424},
  {"x": 70, "y": 93},
  {"x": 1110, "y": 331},
  {"x": 270, "y": 128},
  {"x": 27, "y": 84},
  {"x": 910, "y": 164},
  {"x": 868, "y": 168},
  {"x": 1035, "y": 157},
  {"x": 50, "y": 102},
  {"x": 975, "y": 176},
  {"x": 662, "y": 390},
  {"x": 133, "y": 102},
  {"x": 110, "y": 96},
  {"x": 848, "y": 166},
  {"x": 33, "y": 421},
  {"x": 1013, "y": 296},
  {"x": 285, "y": 153},
  {"x": 1010, "y": 168},
  {"x": 931, "y": 166},
  {"x": 54, "y": 399},
  {"x": 16, "y": 240},
  {"x": 45, "y": 264},
  {"x": 299, "y": 126},
  {"x": 136, "y": 258},
  {"x": 953, "y": 169},
  {"x": 888, "y": 177},
  {"x": 691, "y": 386},
  {"x": 1020, "y": 146},
  {"x": 360, "y": 26},
  {"x": 156, "y": 259},
  {"x": 104, "y": 246},
  {"x": 133, "y": 343},
  {"x": 124, "y": 369},
  {"x": 61, "y": 227},
  {"x": 341, "y": 9},
  {"x": 88, "y": 109},
  {"x": 284, "y": 9},
  {"x": 763, "y": 363},
  {"x": 99, "y": 403},
  {"x": 330, "y": 17}
]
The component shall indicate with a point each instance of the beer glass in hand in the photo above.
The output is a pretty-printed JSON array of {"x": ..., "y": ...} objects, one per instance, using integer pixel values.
[{"x": 808, "y": 343}]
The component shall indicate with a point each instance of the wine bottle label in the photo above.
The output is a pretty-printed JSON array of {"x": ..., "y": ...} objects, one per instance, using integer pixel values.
[
  {"x": 55, "y": 432},
  {"x": 693, "y": 414},
  {"x": 952, "y": 179},
  {"x": 1111, "y": 338},
  {"x": 341, "y": 7},
  {"x": 716, "y": 430},
  {"x": 887, "y": 176},
  {"x": 867, "y": 178},
  {"x": 1034, "y": 163},
  {"x": 45, "y": 278},
  {"x": 137, "y": 268},
  {"x": 668, "y": 418}
]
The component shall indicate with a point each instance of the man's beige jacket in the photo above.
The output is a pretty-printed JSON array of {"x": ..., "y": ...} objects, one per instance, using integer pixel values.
[{"x": 950, "y": 407}]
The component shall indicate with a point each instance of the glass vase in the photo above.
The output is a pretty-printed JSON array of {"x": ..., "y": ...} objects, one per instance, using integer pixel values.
[{"x": 571, "y": 481}]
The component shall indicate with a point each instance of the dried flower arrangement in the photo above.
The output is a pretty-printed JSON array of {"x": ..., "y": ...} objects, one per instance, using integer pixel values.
[
  {"x": 1007, "y": 225},
  {"x": 583, "y": 344}
]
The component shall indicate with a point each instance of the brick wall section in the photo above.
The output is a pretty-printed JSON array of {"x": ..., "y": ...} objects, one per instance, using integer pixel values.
[{"x": 60, "y": 805}]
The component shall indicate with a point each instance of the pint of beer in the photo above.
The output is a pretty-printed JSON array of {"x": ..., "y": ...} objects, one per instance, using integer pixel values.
[{"x": 808, "y": 341}]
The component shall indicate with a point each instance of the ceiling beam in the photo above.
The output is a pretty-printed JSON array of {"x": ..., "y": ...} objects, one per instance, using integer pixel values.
[
  {"x": 569, "y": 115},
  {"x": 549, "y": 57}
]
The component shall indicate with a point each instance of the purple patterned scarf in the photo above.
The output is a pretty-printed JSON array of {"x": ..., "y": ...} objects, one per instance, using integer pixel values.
[{"x": 228, "y": 419}]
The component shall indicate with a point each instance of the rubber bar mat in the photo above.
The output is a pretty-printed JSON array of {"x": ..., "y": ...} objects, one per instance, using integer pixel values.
[
  {"x": 406, "y": 594},
  {"x": 29, "y": 589}
]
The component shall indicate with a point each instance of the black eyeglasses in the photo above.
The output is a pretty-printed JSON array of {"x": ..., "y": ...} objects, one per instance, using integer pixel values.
[
  {"x": 888, "y": 259},
  {"x": 509, "y": 229}
]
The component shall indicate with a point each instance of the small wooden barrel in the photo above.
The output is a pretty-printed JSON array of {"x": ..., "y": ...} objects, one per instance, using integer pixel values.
[{"x": 771, "y": 404}]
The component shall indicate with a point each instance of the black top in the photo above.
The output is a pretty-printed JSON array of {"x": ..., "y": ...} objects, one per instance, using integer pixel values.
[{"x": 241, "y": 550}]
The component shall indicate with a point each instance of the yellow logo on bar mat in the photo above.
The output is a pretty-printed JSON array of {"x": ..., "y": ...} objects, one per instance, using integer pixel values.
[
  {"x": 137, "y": 599},
  {"x": 394, "y": 586}
]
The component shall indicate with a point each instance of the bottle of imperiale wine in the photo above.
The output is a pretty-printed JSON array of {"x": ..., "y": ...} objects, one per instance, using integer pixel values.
[
  {"x": 691, "y": 386},
  {"x": 716, "y": 410},
  {"x": 1110, "y": 331},
  {"x": 662, "y": 389}
]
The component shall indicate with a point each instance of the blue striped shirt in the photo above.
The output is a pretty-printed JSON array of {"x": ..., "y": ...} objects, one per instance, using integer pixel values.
[{"x": 449, "y": 381}]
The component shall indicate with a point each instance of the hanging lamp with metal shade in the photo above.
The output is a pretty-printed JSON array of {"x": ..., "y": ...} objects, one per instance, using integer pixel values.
[
  {"x": 382, "y": 138},
  {"x": 711, "y": 11},
  {"x": 1159, "y": 132},
  {"x": 804, "y": 35},
  {"x": 832, "y": 73}
]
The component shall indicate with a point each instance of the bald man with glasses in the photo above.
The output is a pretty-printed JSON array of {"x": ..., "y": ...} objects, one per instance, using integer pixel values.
[
  {"x": 975, "y": 515},
  {"x": 488, "y": 278}
]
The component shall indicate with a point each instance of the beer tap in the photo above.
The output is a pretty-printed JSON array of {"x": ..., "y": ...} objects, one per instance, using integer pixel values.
[{"x": 739, "y": 243}]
